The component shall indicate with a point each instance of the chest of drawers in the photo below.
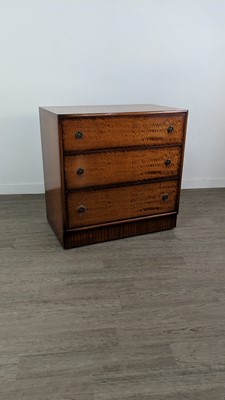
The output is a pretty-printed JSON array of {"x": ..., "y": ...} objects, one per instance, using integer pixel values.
[{"x": 111, "y": 171}]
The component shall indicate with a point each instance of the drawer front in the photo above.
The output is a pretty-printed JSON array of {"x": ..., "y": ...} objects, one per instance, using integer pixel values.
[
  {"x": 92, "y": 207},
  {"x": 104, "y": 132},
  {"x": 121, "y": 166}
]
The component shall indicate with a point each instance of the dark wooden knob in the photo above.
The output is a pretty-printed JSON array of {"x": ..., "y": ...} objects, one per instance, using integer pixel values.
[
  {"x": 165, "y": 197},
  {"x": 167, "y": 163},
  {"x": 79, "y": 135},
  {"x": 81, "y": 209},
  {"x": 80, "y": 171},
  {"x": 170, "y": 129}
]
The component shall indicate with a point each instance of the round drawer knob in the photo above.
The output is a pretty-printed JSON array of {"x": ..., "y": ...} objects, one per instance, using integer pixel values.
[
  {"x": 78, "y": 135},
  {"x": 165, "y": 197},
  {"x": 81, "y": 210},
  {"x": 80, "y": 171},
  {"x": 170, "y": 129},
  {"x": 167, "y": 163}
]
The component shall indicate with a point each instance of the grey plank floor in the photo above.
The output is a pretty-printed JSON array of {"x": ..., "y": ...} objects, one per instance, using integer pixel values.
[{"x": 139, "y": 318}]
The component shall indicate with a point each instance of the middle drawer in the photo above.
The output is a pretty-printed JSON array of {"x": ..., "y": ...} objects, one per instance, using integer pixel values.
[{"x": 111, "y": 167}]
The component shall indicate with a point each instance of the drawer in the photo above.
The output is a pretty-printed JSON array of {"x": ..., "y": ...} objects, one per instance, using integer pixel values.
[
  {"x": 89, "y": 133},
  {"x": 91, "y": 207},
  {"x": 110, "y": 167}
]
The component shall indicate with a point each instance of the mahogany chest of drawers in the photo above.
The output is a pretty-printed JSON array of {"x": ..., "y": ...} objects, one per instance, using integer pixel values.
[{"x": 111, "y": 171}]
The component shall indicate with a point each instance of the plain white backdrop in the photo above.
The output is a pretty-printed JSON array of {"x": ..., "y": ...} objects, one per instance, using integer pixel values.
[{"x": 82, "y": 52}]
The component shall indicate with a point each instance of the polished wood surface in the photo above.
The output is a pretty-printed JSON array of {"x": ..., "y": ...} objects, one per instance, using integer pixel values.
[
  {"x": 118, "y": 166},
  {"x": 121, "y": 203},
  {"x": 110, "y": 132},
  {"x": 52, "y": 159},
  {"x": 121, "y": 229},
  {"x": 110, "y": 109},
  {"x": 135, "y": 319}
]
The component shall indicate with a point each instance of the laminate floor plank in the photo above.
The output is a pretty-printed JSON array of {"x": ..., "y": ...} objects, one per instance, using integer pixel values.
[
  {"x": 47, "y": 388},
  {"x": 133, "y": 319},
  {"x": 167, "y": 384},
  {"x": 200, "y": 353},
  {"x": 97, "y": 365},
  {"x": 209, "y": 394},
  {"x": 8, "y": 367}
]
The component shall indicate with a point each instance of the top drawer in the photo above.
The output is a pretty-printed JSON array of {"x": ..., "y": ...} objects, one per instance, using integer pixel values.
[{"x": 87, "y": 133}]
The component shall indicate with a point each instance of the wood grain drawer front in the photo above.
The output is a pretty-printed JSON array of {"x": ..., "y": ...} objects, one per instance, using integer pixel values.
[
  {"x": 121, "y": 166},
  {"x": 93, "y": 207},
  {"x": 104, "y": 132}
]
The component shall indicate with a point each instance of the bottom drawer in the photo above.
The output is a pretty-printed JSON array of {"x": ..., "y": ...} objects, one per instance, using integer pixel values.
[{"x": 91, "y": 207}]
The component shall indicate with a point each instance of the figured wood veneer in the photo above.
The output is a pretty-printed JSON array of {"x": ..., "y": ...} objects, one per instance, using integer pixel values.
[
  {"x": 121, "y": 203},
  {"x": 108, "y": 132},
  {"x": 121, "y": 166}
]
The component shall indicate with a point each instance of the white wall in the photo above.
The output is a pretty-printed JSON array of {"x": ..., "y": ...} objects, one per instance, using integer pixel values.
[{"x": 68, "y": 52}]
